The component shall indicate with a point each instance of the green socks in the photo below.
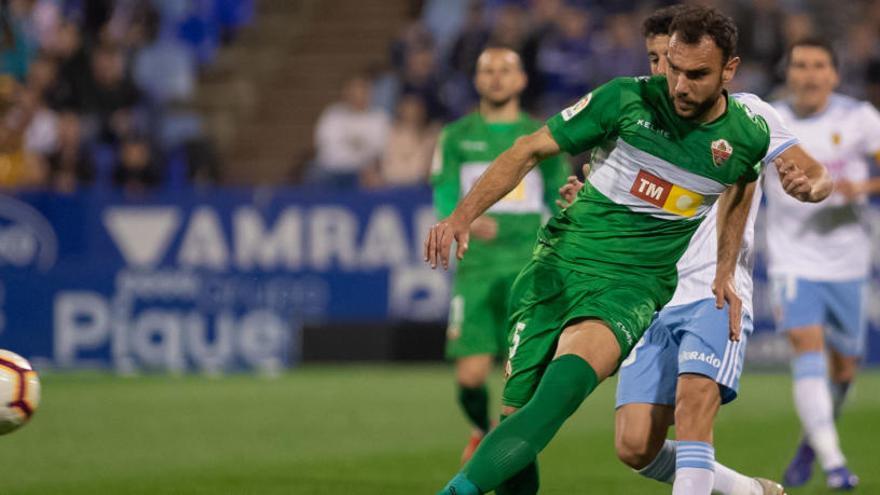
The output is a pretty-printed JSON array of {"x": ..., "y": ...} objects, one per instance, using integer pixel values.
[
  {"x": 475, "y": 403},
  {"x": 514, "y": 444},
  {"x": 525, "y": 482}
]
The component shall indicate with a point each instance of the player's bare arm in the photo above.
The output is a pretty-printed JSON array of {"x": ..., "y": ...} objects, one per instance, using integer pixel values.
[
  {"x": 733, "y": 211},
  {"x": 802, "y": 177},
  {"x": 499, "y": 179}
]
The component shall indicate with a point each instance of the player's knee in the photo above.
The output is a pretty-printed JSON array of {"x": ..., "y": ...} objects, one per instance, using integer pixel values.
[
  {"x": 635, "y": 450},
  {"x": 473, "y": 371},
  {"x": 508, "y": 410},
  {"x": 807, "y": 339},
  {"x": 471, "y": 379}
]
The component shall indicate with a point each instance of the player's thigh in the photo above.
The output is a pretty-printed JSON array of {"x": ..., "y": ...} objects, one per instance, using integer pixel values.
[
  {"x": 705, "y": 348},
  {"x": 602, "y": 320},
  {"x": 847, "y": 329},
  {"x": 640, "y": 430},
  {"x": 474, "y": 326},
  {"x": 797, "y": 303},
  {"x": 594, "y": 342},
  {"x": 649, "y": 373},
  {"x": 606, "y": 322}
]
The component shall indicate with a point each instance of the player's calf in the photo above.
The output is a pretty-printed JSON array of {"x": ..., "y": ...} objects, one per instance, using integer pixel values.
[
  {"x": 640, "y": 433},
  {"x": 697, "y": 402}
]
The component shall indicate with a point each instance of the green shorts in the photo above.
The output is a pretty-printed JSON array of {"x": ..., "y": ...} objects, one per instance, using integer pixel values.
[
  {"x": 478, "y": 313},
  {"x": 546, "y": 298}
]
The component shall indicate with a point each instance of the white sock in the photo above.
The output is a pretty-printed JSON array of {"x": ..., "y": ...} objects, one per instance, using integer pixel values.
[
  {"x": 662, "y": 468},
  {"x": 812, "y": 400},
  {"x": 694, "y": 468},
  {"x": 729, "y": 482}
]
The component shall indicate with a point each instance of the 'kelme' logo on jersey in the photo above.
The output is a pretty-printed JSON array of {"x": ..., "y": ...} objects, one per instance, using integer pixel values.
[
  {"x": 721, "y": 151},
  {"x": 666, "y": 195}
]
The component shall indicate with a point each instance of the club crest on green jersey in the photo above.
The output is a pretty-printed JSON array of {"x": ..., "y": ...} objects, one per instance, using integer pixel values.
[
  {"x": 721, "y": 151},
  {"x": 575, "y": 109}
]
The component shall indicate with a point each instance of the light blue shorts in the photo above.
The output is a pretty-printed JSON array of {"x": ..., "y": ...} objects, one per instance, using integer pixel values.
[
  {"x": 690, "y": 338},
  {"x": 839, "y": 307}
]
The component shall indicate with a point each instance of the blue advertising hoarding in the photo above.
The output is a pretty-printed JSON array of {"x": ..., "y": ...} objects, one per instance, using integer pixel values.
[
  {"x": 213, "y": 280},
  {"x": 207, "y": 280}
]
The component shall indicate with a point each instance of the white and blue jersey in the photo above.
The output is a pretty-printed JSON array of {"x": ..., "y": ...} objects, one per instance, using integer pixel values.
[
  {"x": 819, "y": 254},
  {"x": 690, "y": 335}
]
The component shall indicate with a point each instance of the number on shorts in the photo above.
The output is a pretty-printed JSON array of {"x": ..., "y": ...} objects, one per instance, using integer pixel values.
[{"x": 632, "y": 355}]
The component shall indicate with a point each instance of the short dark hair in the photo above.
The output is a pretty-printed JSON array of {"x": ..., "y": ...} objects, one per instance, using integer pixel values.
[
  {"x": 693, "y": 22},
  {"x": 813, "y": 42},
  {"x": 658, "y": 23}
]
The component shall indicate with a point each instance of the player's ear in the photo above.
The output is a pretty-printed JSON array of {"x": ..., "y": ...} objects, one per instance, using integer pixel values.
[
  {"x": 522, "y": 82},
  {"x": 729, "y": 70},
  {"x": 835, "y": 78}
]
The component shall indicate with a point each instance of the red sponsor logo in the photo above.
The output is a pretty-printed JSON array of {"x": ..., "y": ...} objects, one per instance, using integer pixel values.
[{"x": 651, "y": 188}]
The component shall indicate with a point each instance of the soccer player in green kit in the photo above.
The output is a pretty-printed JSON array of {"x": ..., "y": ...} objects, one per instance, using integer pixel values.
[
  {"x": 503, "y": 237},
  {"x": 670, "y": 147}
]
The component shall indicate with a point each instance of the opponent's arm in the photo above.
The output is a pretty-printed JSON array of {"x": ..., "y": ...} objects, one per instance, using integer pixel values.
[
  {"x": 499, "y": 179},
  {"x": 733, "y": 212},
  {"x": 853, "y": 190},
  {"x": 802, "y": 177}
]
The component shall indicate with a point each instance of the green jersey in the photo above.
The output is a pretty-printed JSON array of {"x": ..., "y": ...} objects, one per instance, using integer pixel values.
[
  {"x": 654, "y": 177},
  {"x": 466, "y": 149}
]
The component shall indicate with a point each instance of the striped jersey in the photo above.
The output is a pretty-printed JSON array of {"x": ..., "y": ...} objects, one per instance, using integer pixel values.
[
  {"x": 696, "y": 268},
  {"x": 655, "y": 177},
  {"x": 827, "y": 241}
]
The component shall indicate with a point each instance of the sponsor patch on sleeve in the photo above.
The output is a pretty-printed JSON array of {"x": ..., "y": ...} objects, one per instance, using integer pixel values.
[{"x": 575, "y": 109}]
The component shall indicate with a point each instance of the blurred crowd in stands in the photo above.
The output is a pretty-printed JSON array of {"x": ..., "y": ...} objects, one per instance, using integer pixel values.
[
  {"x": 381, "y": 130},
  {"x": 100, "y": 92}
]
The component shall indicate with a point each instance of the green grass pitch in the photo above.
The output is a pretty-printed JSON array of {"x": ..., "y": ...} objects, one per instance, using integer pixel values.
[{"x": 355, "y": 430}]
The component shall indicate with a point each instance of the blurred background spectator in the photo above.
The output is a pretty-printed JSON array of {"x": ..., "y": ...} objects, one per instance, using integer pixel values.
[
  {"x": 191, "y": 82},
  {"x": 95, "y": 85},
  {"x": 349, "y": 137},
  {"x": 406, "y": 159}
]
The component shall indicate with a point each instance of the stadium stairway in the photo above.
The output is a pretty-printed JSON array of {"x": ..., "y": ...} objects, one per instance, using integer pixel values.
[{"x": 264, "y": 94}]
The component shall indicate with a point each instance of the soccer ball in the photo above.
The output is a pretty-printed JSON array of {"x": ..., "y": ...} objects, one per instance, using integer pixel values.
[{"x": 19, "y": 391}]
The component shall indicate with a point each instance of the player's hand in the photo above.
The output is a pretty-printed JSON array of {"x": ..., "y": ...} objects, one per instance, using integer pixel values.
[
  {"x": 572, "y": 187},
  {"x": 439, "y": 241},
  {"x": 569, "y": 191},
  {"x": 850, "y": 190},
  {"x": 794, "y": 181},
  {"x": 485, "y": 228},
  {"x": 725, "y": 292}
]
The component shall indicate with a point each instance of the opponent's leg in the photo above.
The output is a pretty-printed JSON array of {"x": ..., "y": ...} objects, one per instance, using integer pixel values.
[
  {"x": 843, "y": 370},
  {"x": 640, "y": 439},
  {"x": 842, "y": 374},
  {"x": 697, "y": 402},
  {"x": 812, "y": 398},
  {"x": 587, "y": 352}
]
